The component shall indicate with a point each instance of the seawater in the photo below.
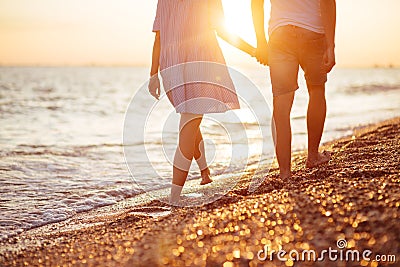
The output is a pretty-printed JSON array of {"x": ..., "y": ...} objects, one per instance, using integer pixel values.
[{"x": 61, "y": 134}]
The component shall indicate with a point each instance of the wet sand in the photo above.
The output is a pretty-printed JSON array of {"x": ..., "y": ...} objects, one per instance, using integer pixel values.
[{"x": 355, "y": 197}]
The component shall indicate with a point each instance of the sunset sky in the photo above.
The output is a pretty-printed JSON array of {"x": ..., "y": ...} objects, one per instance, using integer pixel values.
[{"x": 104, "y": 32}]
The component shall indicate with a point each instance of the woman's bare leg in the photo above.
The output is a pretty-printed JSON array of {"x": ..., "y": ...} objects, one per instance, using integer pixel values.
[
  {"x": 200, "y": 157},
  {"x": 188, "y": 129}
]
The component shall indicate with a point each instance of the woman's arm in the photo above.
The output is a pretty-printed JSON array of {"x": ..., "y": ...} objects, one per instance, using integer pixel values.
[
  {"x": 155, "y": 64},
  {"x": 236, "y": 41},
  {"x": 154, "y": 84},
  {"x": 217, "y": 19}
]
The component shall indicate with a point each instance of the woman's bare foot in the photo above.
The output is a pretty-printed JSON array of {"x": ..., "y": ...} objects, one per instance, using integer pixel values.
[
  {"x": 205, "y": 177},
  {"x": 322, "y": 158}
]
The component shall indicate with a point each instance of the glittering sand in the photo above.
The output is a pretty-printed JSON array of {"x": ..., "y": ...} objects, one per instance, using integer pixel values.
[{"x": 354, "y": 199}]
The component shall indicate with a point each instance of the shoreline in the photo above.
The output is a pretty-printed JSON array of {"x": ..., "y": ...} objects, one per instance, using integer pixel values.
[{"x": 355, "y": 197}]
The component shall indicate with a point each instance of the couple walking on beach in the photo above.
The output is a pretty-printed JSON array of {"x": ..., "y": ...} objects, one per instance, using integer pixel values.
[{"x": 196, "y": 79}]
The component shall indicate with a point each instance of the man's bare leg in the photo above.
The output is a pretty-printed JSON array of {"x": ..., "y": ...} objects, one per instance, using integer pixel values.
[
  {"x": 283, "y": 133},
  {"x": 316, "y": 115}
]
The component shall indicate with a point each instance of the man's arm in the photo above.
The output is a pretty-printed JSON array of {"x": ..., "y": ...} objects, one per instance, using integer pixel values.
[
  {"x": 257, "y": 8},
  {"x": 328, "y": 14}
]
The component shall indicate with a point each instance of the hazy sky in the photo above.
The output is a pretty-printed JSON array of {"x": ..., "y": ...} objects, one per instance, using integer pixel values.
[{"x": 76, "y": 32}]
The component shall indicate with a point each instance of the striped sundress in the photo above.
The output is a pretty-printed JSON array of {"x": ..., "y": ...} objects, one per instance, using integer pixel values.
[{"x": 192, "y": 66}]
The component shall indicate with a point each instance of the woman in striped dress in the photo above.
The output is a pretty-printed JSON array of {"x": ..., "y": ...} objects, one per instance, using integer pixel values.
[{"x": 195, "y": 76}]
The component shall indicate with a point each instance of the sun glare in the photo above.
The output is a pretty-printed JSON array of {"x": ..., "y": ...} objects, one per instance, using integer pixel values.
[{"x": 238, "y": 18}]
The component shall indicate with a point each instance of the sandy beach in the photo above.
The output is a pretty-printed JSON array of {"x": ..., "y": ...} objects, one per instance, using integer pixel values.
[{"x": 352, "y": 203}]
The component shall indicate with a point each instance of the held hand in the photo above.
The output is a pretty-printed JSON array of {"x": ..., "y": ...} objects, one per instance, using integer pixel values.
[
  {"x": 252, "y": 52},
  {"x": 154, "y": 86},
  {"x": 262, "y": 54},
  {"x": 329, "y": 59}
]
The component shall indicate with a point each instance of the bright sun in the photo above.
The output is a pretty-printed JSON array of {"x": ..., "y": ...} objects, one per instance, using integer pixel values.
[{"x": 238, "y": 18}]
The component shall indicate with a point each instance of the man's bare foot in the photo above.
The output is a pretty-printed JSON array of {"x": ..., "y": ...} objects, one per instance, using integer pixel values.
[
  {"x": 285, "y": 176},
  {"x": 205, "y": 177},
  {"x": 322, "y": 158}
]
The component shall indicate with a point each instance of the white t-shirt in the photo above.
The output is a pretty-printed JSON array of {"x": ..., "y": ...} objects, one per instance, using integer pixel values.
[{"x": 302, "y": 13}]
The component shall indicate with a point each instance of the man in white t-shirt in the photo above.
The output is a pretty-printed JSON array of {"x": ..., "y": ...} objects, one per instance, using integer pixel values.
[{"x": 301, "y": 33}]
